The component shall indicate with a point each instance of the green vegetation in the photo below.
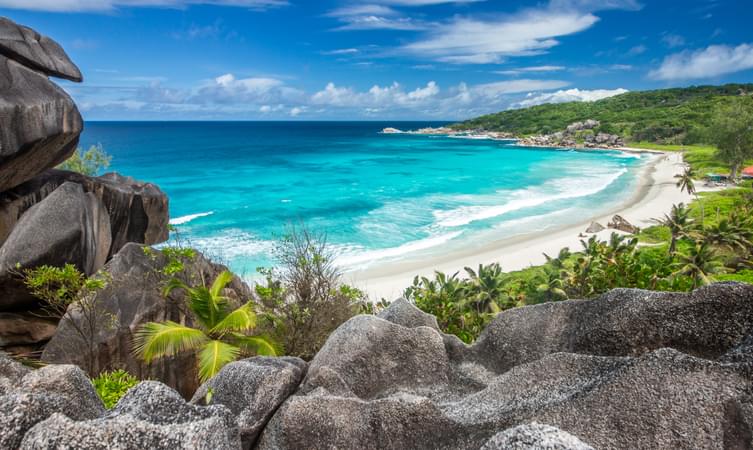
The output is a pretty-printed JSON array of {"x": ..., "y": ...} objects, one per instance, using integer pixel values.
[
  {"x": 67, "y": 290},
  {"x": 90, "y": 162},
  {"x": 684, "y": 251},
  {"x": 111, "y": 386},
  {"x": 222, "y": 333},
  {"x": 669, "y": 116},
  {"x": 304, "y": 299},
  {"x": 732, "y": 132}
]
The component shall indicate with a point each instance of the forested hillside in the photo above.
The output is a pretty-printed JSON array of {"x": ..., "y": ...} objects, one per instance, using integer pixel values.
[{"x": 671, "y": 116}]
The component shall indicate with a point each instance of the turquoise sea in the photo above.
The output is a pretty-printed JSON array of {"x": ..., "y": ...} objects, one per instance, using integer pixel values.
[{"x": 235, "y": 186}]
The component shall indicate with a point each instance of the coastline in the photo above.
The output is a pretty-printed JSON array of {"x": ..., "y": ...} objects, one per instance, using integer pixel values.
[{"x": 654, "y": 196}]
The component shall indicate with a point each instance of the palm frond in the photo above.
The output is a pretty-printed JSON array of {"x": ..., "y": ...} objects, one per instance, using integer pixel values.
[
  {"x": 208, "y": 309},
  {"x": 214, "y": 356},
  {"x": 173, "y": 284},
  {"x": 258, "y": 345},
  {"x": 241, "y": 319},
  {"x": 220, "y": 282},
  {"x": 156, "y": 340}
]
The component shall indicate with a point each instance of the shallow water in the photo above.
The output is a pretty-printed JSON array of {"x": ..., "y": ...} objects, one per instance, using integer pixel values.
[{"x": 234, "y": 186}]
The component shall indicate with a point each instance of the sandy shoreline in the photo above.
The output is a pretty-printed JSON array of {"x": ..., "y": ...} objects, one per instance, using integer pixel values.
[{"x": 655, "y": 196}]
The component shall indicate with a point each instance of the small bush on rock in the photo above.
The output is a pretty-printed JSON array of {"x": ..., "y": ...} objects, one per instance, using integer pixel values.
[
  {"x": 66, "y": 291},
  {"x": 304, "y": 299},
  {"x": 111, "y": 386},
  {"x": 90, "y": 162}
]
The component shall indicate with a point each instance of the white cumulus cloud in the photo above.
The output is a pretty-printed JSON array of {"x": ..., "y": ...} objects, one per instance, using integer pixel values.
[
  {"x": 709, "y": 62},
  {"x": 570, "y": 95},
  {"x": 109, "y": 5},
  {"x": 468, "y": 41}
]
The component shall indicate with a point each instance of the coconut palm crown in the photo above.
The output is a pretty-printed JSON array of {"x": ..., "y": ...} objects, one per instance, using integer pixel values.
[{"x": 221, "y": 335}]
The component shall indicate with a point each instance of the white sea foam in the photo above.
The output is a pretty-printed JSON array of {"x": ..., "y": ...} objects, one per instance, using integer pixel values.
[
  {"x": 232, "y": 243},
  {"x": 185, "y": 219},
  {"x": 353, "y": 257},
  {"x": 562, "y": 189},
  {"x": 626, "y": 155}
]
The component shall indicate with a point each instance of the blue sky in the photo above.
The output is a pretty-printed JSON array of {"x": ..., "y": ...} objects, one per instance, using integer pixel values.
[{"x": 382, "y": 59}]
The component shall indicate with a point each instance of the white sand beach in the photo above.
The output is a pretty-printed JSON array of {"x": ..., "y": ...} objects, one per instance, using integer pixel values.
[{"x": 654, "y": 197}]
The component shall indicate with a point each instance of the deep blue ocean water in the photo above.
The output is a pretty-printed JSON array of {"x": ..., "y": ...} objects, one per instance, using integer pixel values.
[{"x": 235, "y": 186}]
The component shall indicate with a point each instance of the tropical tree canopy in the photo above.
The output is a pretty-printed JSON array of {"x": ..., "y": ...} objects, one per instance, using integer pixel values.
[{"x": 732, "y": 132}]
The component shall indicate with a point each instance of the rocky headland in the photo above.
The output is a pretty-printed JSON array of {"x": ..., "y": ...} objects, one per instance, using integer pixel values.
[
  {"x": 575, "y": 135},
  {"x": 47, "y": 216},
  {"x": 629, "y": 369}
]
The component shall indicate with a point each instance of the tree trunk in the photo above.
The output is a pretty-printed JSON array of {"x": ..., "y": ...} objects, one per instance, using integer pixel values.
[{"x": 733, "y": 171}]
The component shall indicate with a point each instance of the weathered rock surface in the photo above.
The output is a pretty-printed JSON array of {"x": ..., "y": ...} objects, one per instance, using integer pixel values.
[
  {"x": 534, "y": 436},
  {"x": 595, "y": 227},
  {"x": 620, "y": 223},
  {"x": 133, "y": 297},
  {"x": 23, "y": 329},
  {"x": 631, "y": 369},
  {"x": 40, "y": 126},
  {"x": 138, "y": 211},
  {"x": 402, "y": 312},
  {"x": 11, "y": 372},
  {"x": 69, "y": 226},
  {"x": 350, "y": 365},
  {"x": 253, "y": 389},
  {"x": 42, "y": 393},
  {"x": 150, "y": 415},
  {"x": 35, "y": 51}
]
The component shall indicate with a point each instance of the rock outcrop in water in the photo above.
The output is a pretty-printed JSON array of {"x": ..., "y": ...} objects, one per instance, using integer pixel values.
[{"x": 630, "y": 369}]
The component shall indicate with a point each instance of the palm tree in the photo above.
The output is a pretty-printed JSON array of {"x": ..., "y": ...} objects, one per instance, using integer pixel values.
[
  {"x": 487, "y": 287},
  {"x": 221, "y": 335},
  {"x": 726, "y": 233},
  {"x": 553, "y": 288},
  {"x": 679, "y": 223},
  {"x": 700, "y": 262},
  {"x": 685, "y": 181}
]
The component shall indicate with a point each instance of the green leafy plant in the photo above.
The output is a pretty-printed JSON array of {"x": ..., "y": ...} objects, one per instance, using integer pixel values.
[
  {"x": 69, "y": 295},
  {"x": 90, "y": 162},
  {"x": 732, "y": 132},
  {"x": 222, "y": 334},
  {"x": 112, "y": 386},
  {"x": 304, "y": 299}
]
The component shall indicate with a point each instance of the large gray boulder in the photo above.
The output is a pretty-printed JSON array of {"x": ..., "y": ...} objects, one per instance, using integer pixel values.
[
  {"x": 134, "y": 297},
  {"x": 623, "y": 322},
  {"x": 253, "y": 389},
  {"x": 41, "y": 393},
  {"x": 40, "y": 126},
  {"x": 368, "y": 357},
  {"x": 534, "y": 436},
  {"x": 150, "y": 415},
  {"x": 402, "y": 312},
  {"x": 138, "y": 211},
  {"x": 11, "y": 372},
  {"x": 69, "y": 226},
  {"x": 127, "y": 433},
  {"x": 631, "y": 369},
  {"x": 35, "y": 51}
]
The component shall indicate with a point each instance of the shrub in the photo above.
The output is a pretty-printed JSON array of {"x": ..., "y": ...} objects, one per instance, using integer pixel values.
[
  {"x": 90, "y": 162},
  {"x": 304, "y": 299},
  {"x": 111, "y": 386},
  {"x": 65, "y": 288}
]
